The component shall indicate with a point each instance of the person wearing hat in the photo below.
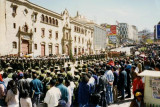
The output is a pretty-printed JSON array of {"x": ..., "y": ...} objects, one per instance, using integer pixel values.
[
  {"x": 53, "y": 95},
  {"x": 138, "y": 101}
]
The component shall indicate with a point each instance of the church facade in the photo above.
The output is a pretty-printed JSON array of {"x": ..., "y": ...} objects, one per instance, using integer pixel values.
[{"x": 26, "y": 28}]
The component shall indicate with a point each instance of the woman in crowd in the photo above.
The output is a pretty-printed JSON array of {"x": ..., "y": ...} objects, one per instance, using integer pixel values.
[{"x": 12, "y": 97}]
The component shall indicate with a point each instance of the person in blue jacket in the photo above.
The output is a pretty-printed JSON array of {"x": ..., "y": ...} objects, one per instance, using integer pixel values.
[
  {"x": 84, "y": 91},
  {"x": 36, "y": 90}
]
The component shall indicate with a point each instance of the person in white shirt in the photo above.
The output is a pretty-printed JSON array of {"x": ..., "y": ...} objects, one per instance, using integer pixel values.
[
  {"x": 53, "y": 95},
  {"x": 67, "y": 83}
]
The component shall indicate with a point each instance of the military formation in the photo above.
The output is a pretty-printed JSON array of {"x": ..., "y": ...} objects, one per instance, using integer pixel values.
[{"x": 86, "y": 81}]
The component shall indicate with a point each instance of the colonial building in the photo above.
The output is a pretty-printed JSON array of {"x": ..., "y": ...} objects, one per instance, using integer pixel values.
[
  {"x": 26, "y": 28},
  {"x": 99, "y": 34}
]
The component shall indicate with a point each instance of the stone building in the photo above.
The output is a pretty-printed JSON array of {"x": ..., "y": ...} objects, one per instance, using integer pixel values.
[{"x": 26, "y": 28}]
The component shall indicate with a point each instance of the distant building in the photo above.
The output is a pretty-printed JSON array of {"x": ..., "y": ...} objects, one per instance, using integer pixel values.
[
  {"x": 112, "y": 33},
  {"x": 145, "y": 34},
  {"x": 123, "y": 30},
  {"x": 133, "y": 33},
  {"x": 99, "y": 34}
]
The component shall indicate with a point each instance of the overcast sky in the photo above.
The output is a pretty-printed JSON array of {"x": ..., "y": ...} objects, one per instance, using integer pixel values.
[{"x": 142, "y": 13}]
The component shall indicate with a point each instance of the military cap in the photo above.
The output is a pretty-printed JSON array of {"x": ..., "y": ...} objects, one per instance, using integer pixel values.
[
  {"x": 10, "y": 75},
  {"x": 38, "y": 72},
  {"x": 52, "y": 74},
  {"x": 75, "y": 70},
  {"x": 9, "y": 68},
  {"x": 79, "y": 69},
  {"x": 36, "y": 67},
  {"x": 43, "y": 75},
  {"x": 48, "y": 79},
  {"x": 69, "y": 73},
  {"x": 77, "y": 77}
]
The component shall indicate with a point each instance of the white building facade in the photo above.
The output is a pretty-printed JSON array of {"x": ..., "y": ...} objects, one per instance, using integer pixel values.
[
  {"x": 26, "y": 28},
  {"x": 133, "y": 33}
]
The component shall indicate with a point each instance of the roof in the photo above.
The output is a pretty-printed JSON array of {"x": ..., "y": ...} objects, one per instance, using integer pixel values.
[{"x": 149, "y": 73}]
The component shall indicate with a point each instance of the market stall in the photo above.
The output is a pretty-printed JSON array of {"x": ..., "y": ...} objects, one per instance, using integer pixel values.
[{"x": 152, "y": 88}]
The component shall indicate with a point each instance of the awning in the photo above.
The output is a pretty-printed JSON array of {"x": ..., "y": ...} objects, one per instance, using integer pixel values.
[{"x": 150, "y": 73}]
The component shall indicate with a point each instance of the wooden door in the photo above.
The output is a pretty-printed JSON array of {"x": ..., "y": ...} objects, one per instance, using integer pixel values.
[{"x": 42, "y": 50}]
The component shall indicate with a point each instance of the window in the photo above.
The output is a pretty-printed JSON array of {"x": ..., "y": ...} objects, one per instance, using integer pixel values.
[
  {"x": 15, "y": 9},
  {"x": 56, "y": 35},
  {"x": 50, "y": 33},
  {"x": 67, "y": 36},
  {"x": 14, "y": 45},
  {"x": 35, "y": 30},
  {"x": 43, "y": 32},
  {"x": 79, "y": 40},
  {"x": 56, "y": 22},
  {"x": 35, "y": 46},
  {"x": 25, "y": 12},
  {"x": 82, "y": 40},
  {"x": 46, "y": 19},
  {"x": 57, "y": 49},
  {"x": 53, "y": 21},
  {"x": 25, "y": 28},
  {"x": 42, "y": 18},
  {"x": 14, "y": 25},
  {"x": 74, "y": 39},
  {"x": 34, "y": 17},
  {"x": 50, "y": 21},
  {"x": 75, "y": 28},
  {"x": 50, "y": 49}
]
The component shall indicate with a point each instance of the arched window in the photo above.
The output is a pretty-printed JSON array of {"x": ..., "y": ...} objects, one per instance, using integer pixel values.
[
  {"x": 53, "y": 21},
  {"x": 25, "y": 28},
  {"x": 42, "y": 18},
  {"x": 56, "y": 22},
  {"x": 46, "y": 19},
  {"x": 50, "y": 21}
]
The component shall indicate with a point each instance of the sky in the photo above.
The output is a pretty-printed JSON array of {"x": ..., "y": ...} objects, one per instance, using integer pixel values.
[{"x": 142, "y": 13}]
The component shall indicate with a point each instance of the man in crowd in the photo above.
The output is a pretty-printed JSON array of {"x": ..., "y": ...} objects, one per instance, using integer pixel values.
[
  {"x": 53, "y": 95},
  {"x": 36, "y": 90}
]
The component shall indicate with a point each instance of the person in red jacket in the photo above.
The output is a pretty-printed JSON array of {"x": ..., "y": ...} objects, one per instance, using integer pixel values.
[{"x": 138, "y": 85}]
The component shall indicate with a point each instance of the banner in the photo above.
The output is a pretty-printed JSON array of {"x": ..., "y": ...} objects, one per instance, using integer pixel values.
[
  {"x": 112, "y": 30},
  {"x": 158, "y": 31}
]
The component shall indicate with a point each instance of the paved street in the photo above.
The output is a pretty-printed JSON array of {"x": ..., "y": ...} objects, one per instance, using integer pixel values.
[{"x": 125, "y": 103}]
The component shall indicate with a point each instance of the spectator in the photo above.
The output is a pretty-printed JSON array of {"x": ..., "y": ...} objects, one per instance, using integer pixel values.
[
  {"x": 64, "y": 92},
  {"x": 115, "y": 90},
  {"x": 122, "y": 83},
  {"x": 2, "y": 91},
  {"x": 83, "y": 93},
  {"x": 138, "y": 102},
  {"x": 36, "y": 90},
  {"x": 53, "y": 95},
  {"x": 110, "y": 78},
  {"x": 138, "y": 84},
  {"x": 12, "y": 97}
]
